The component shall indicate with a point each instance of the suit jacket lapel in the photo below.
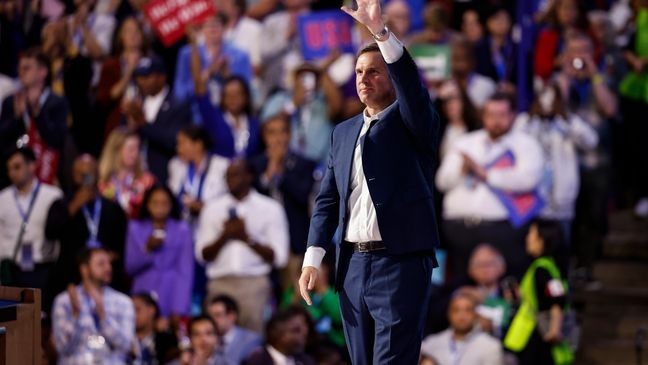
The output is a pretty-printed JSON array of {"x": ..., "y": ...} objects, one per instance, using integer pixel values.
[{"x": 347, "y": 150}]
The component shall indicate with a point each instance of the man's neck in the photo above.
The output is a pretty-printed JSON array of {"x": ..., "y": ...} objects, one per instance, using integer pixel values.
[
  {"x": 240, "y": 196},
  {"x": 498, "y": 40},
  {"x": 144, "y": 332},
  {"x": 373, "y": 111},
  {"x": 199, "y": 160},
  {"x": 460, "y": 335},
  {"x": 27, "y": 187}
]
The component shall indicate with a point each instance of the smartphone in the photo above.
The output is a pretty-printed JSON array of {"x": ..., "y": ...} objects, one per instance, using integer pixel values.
[{"x": 232, "y": 213}]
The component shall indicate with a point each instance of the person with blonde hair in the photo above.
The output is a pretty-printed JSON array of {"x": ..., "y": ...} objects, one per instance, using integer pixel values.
[{"x": 122, "y": 175}]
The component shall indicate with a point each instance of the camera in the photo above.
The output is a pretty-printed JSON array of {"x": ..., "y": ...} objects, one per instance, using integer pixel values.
[{"x": 578, "y": 63}]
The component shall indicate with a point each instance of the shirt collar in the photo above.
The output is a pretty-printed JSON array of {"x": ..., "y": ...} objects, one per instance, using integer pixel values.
[
  {"x": 367, "y": 119},
  {"x": 229, "y": 336},
  {"x": 161, "y": 95},
  {"x": 277, "y": 357}
]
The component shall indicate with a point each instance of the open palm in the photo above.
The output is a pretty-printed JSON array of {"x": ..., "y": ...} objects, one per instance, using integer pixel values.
[{"x": 368, "y": 14}]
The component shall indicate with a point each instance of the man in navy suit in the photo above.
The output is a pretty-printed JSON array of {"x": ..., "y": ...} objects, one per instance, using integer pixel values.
[
  {"x": 377, "y": 195},
  {"x": 156, "y": 115}
]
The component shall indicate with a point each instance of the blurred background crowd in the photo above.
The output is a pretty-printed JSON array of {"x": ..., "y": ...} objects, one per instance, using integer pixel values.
[{"x": 159, "y": 195}]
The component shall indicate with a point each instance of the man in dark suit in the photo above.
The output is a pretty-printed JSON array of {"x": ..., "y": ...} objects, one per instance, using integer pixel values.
[
  {"x": 34, "y": 117},
  {"x": 377, "y": 192},
  {"x": 155, "y": 115},
  {"x": 287, "y": 177}
]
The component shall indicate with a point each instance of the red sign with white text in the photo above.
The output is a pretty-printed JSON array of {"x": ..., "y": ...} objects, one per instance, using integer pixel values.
[{"x": 170, "y": 18}]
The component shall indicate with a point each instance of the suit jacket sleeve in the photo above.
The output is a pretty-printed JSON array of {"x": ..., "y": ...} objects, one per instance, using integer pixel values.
[
  {"x": 414, "y": 104},
  {"x": 52, "y": 121},
  {"x": 325, "y": 213}
]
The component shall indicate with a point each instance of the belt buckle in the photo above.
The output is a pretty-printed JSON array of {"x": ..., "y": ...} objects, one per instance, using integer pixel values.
[{"x": 363, "y": 247}]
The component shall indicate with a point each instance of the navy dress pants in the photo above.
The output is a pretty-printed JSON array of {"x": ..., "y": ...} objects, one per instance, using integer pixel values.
[{"x": 384, "y": 301}]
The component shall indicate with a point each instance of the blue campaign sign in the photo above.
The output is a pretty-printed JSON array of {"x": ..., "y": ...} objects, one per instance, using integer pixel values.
[{"x": 323, "y": 31}]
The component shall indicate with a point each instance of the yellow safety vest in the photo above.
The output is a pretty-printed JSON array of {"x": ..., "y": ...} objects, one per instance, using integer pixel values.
[{"x": 524, "y": 322}]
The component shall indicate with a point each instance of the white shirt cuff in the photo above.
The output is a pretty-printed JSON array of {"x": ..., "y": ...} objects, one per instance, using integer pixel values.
[
  {"x": 313, "y": 257},
  {"x": 391, "y": 49}
]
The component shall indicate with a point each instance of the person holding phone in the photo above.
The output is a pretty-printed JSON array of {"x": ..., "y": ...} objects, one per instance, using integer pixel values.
[
  {"x": 159, "y": 252},
  {"x": 377, "y": 194},
  {"x": 241, "y": 237},
  {"x": 85, "y": 219}
]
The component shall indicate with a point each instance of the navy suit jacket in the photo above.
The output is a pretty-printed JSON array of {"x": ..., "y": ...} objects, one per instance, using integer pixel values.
[
  {"x": 160, "y": 135},
  {"x": 295, "y": 185},
  {"x": 398, "y": 161}
]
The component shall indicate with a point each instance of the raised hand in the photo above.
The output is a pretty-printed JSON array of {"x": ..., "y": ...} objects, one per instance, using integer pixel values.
[{"x": 368, "y": 14}]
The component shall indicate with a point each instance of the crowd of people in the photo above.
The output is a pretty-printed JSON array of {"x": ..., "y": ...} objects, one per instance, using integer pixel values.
[{"x": 160, "y": 196}]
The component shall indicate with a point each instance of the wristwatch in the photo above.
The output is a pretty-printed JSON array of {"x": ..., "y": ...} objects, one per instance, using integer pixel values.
[{"x": 382, "y": 35}]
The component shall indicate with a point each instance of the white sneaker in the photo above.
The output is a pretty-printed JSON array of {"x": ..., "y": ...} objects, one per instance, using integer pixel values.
[{"x": 641, "y": 209}]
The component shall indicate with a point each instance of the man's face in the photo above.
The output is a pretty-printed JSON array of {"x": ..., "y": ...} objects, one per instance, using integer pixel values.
[
  {"x": 30, "y": 72},
  {"x": 373, "y": 83},
  {"x": 144, "y": 314},
  {"x": 20, "y": 170},
  {"x": 486, "y": 267},
  {"x": 462, "y": 65},
  {"x": 151, "y": 84},
  {"x": 462, "y": 314},
  {"x": 293, "y": 335},
  {"x": 224, "y": 321},
  {"x": 99, "y": 269},
  {"x": 203, "y": 337},
  {"x": 498, "y": 118},
  {"x": 238, "y": 178},
  {"x": 84, "y": 171}
]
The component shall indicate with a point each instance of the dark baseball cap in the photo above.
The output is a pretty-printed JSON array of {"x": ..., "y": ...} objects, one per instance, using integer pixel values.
[{"x": 149, "y": 65}]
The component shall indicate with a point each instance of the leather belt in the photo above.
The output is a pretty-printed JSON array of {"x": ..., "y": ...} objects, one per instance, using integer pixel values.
[{"x": 368, "y": 246}]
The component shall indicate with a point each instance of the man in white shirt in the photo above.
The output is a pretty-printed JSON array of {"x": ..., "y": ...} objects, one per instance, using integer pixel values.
[
  {"x": 472, "y": 211},
  {"x": 463, "y": 343},
  {"x": 241, "y": 237},
  {"x": 25, "y": 205}
]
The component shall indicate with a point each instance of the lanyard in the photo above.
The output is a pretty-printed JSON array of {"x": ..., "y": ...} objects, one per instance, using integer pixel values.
[
  {"x": 32, "y": 200},
  {"x": 93, "y": 222},
  {"x": 189, "y": 186},
  {"x": 92, "y": 306}
]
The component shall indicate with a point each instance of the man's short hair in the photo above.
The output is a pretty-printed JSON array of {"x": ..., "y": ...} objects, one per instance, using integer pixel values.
[
  {"x": 37, "y": 54},
  {"x": 26, "y": 153},
  {"x": 228, "y": 302},
  {"x": 273, "y": 327},
  {"x": 150, "y": 300},
  {"x": 200, "y": 318},
  {"x": 371, "y": 47},
  {"x": 502, "y": 96},
  {"x": 86, "y": 255}
]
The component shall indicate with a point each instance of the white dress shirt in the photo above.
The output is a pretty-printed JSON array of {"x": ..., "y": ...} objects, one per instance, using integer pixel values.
[
  {"x": 278, "y": 358},
  {"x": 214, "y": 185},
  {"x": 11, "y": 219},
  {"x": 265, "y": 222},
  {"x": 466, "y": 197},
  {"x": 363, "y": 222},
  {"x": 153, "y": 104}
]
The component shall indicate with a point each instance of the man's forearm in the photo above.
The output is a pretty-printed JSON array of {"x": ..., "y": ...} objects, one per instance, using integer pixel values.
[{"x": 210, "y": 252}]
